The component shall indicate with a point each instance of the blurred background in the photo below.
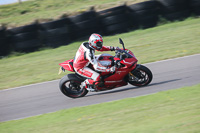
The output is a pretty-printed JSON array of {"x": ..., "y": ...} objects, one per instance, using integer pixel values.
[
  {"x": 4, "y": 2},
  {"x": 37, "y": 35},
  {"x": 31, "y": 25},
  {"x": 40, "y": 34}
]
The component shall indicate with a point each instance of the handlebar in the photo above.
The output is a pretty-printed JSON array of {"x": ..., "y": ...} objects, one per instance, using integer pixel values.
[
  {"x": 122, "y": 54},
  {"x": 124, "y": 50}
]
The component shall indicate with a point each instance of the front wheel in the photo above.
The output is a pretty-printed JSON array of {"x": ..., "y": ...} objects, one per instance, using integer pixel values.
[
  {"x": 141, "y": 76},
  {"x": 70, "y": 85}
]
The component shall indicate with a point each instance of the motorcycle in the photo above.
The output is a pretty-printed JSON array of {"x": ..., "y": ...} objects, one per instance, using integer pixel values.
[{"x": 127, "y": 71}]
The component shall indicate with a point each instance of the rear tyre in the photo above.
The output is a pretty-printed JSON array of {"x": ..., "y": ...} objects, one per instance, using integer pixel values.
[
  {"x": 142, "y": 76},
  {"x": 70, "y": 86}
]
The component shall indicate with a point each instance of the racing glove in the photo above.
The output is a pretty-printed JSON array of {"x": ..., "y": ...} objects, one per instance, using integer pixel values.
[
  {"x": 112, "y": 69},
  {"x": 113, "y": 48}
]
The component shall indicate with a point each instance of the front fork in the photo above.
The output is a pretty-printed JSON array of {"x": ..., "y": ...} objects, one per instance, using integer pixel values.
[{"x": 133, "y": 75}]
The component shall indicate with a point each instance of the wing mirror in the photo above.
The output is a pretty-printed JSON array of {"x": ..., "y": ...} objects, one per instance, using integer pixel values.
[{"x": 121, "y": 42}]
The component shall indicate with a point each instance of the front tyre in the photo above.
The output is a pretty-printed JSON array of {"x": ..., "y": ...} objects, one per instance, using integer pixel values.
[
  {"x": 70, "y": 85},
  {"x": 141, "y": 76}
]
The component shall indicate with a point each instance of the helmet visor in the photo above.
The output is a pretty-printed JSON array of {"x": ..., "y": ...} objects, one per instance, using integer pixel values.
[{"x": 99, "y": 44}]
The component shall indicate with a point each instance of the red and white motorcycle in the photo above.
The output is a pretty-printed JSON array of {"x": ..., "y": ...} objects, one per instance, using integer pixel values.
[{"x": 127, "y": 71}]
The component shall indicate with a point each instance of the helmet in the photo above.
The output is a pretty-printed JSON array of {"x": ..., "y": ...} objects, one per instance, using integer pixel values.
[{"x": 96, "y": 41}]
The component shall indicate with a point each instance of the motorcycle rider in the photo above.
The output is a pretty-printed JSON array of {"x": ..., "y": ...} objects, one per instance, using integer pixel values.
[{"x": 85, "y": 55}]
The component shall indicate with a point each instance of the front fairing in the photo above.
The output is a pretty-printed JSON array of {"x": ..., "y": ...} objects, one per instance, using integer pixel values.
[{"x": 128, "y": 62}]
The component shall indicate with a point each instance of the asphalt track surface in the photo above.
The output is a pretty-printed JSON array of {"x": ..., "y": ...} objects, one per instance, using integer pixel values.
[{"x": 41, "y": 98}]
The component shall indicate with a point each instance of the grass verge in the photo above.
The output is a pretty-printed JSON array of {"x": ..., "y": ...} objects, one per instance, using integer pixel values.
[
  {"x": 162, "y": 42},
  {"x": 169, "y": 111},
  {"x": 30, "y": 11}
]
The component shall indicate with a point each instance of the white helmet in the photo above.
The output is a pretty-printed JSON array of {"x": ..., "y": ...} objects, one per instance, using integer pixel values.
[{"x": 96, "y": 41}]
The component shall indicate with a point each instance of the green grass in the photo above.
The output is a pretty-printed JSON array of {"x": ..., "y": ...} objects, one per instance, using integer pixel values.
[
  {"x": 30, "y": 11},
  {"x": 174, "y": 111},
  {"x": 162, "y": 42}
]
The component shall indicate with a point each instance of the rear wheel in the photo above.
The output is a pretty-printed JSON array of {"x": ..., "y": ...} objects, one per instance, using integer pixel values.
[
  {"x": 142, "y": 76},
  {"x": 70, "y": 85}
]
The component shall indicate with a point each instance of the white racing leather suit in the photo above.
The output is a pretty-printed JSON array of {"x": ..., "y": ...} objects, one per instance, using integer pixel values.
[{"x": 85, "y": 56}]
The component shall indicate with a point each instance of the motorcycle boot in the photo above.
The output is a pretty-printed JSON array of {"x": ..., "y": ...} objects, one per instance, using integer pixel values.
[
  {"x": 100, "y": 82},
  {"x": 92, "y": 85},
  {"x": 89, "y": 86}
]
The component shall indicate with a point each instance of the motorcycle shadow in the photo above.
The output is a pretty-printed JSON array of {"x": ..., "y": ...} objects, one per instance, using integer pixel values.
[{"x": 123, "y": 89}]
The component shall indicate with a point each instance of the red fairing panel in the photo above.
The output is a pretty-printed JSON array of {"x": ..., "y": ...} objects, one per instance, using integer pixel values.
[
  {"x": 112, "y": 84},
  {"x": 67, "y": 66},
  {"x": 130, "y": 52},
  {"x": 129, "y": 61}
]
